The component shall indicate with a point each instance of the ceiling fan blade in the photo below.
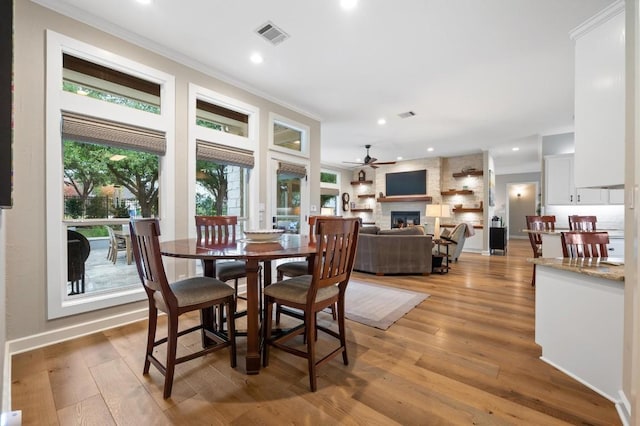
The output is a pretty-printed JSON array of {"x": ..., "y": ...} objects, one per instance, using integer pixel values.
[
  {"x": 385, "y": 162},
  {"x": 371, "y": 160},
  {"x": 373, "y": 166},
  {"x": 353, "y": 162}
]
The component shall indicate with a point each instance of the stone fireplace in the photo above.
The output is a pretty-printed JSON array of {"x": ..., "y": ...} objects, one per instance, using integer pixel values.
[{"x": 403, "y": 218}]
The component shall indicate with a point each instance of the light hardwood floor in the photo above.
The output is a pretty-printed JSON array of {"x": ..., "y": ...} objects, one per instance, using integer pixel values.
[{"x": 466, "y": 355}]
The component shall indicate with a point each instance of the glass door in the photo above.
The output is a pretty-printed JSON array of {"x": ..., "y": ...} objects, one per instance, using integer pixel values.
[{"x": 289, "y": 196}]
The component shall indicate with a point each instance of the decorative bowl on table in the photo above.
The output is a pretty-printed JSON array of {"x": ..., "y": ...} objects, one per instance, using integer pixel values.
[{"x": 265, "y": 235}]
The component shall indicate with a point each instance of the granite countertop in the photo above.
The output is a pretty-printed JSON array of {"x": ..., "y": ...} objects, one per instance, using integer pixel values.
[
  {"x": 593, "y": 266},
  {"x": 613, "y": 233}
]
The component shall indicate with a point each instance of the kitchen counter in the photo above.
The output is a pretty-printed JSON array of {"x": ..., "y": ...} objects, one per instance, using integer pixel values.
[
  {"x": 595, "y": 266},
  {"x": 579, "y": 320}
]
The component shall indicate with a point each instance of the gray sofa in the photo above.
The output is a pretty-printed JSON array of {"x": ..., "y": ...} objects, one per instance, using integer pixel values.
[{"x": 394, "y": 251}]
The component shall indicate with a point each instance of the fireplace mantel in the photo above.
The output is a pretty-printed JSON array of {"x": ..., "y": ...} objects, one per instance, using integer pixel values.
[{"x": 404, "y": 199}]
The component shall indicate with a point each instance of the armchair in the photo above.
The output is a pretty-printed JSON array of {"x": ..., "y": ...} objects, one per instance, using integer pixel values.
[{"x": 457, "y": 237}]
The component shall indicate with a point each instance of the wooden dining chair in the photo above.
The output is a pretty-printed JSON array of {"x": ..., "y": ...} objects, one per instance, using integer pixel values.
[
  {"x": 584, "y": 244},
  {"x": 582, "y": 223},
  {"x": 300, "y": 267},
  {"x": 175, "y": 299},
  {"x": 116, "y": 244},
  {"x": 336, "y": 242},
  {"x": 538, "y": 223},
  {"x": 221, "y": 230}
]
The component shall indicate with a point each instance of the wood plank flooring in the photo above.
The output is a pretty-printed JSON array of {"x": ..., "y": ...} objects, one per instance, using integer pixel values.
[{"x": 466, "y": 355}]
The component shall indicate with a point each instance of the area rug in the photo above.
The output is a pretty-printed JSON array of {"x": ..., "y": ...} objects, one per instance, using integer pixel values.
[{"x": 379, "y": 306}]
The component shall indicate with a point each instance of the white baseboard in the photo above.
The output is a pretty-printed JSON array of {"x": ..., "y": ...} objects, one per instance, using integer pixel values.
[
  {"x": 624, "y": 409},
  {"x": 589, "y": 385},
  {"x": 39, "y": 340}
]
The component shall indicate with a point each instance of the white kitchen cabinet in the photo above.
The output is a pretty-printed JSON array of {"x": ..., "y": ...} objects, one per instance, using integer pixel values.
[
  {"x": 599, "y": 99},
  {"x": 558, "y": 177},
  {"x": 616, "y": 196},
  {"x": 616, "y": 247},
  {"x": 560, "y": 188}
]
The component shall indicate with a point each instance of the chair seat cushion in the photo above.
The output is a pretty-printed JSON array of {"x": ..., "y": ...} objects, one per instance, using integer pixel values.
[
  {"x": 231, "y": 270},
  {"x": 195, "y": 290},
  {"x": 295, "y": 290},
  {"x": 294, "y": 269}
]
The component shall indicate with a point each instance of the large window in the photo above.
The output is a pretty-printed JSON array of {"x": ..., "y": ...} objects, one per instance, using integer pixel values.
[
  {"x": 110, "y": 125},
  {"x": 329, "y": 192},
  {"x": 222, "y": 145}
]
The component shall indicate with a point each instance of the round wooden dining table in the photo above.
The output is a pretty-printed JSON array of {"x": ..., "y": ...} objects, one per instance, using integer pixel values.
[{"x": 254, "y": 253}]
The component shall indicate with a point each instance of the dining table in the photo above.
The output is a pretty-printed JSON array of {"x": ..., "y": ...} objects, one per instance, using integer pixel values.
[{"x": 253, "y": 253}]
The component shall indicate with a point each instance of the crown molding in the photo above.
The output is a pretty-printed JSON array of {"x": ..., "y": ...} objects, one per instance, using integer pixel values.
[{"x": 604, "y": 15}]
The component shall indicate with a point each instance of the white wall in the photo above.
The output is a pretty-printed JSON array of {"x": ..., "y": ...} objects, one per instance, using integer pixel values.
[{"x": 3, "y": 312}]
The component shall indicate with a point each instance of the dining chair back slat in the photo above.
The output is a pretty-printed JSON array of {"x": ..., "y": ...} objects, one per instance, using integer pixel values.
[
  {"x": 214, "y": 230},
  {"x": 584, "y": 244},
  {"x": 538, "y": 223},
  {"x": 582, "y": 223}
]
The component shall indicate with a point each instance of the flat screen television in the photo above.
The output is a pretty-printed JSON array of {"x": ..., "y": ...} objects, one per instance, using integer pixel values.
[{"x": 407, "y": 183}]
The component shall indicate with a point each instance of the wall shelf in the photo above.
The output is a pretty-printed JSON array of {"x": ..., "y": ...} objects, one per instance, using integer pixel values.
[
  {"x": 471, "y": 173},
  {"x": 367, "y": 196},
  {"x": 468, "y": 210},
  {"x": 457, "y": 192},
  {"x": 361, "y": 182},
  {"x": 404, "y": 199},
  {"x": 362, "y": 210}
]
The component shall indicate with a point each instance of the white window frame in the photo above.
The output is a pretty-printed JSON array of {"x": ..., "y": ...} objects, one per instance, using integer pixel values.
[
  {"x": 303, "y": 129},
  {"x": 332, "y": 186},
  {"x": 272, "y": 170},
  {"x": 58, "y": 303},
  {"x": 250, "y": 142}
]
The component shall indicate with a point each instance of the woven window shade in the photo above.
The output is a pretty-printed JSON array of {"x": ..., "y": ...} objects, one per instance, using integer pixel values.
[
  {"x": 293, "y": 170},
  {"x": 329, "y": 191},
  {"x": 224, "y": 155},
  {"x": 82, "y": 128}
]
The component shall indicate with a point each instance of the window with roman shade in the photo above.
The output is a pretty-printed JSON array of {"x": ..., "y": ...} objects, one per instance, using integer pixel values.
[
  {"x": 292, "y": 170},
  {"x": 224, "y": 155}
]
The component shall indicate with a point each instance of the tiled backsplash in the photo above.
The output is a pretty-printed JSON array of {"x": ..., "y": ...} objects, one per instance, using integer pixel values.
[{"x": 609, "y": 217}]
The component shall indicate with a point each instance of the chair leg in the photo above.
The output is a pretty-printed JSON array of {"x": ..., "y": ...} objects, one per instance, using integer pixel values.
[
  {"x": 151, "y": 337},
  {"x": 310, "y": 331},
  {"x": 342, "y": 331},
  {"x": 172, "y": 343},
  {"x": 533, "y": 278},
  {"x": 231, "y": 327},
  {"x": 266, "y": 329}
]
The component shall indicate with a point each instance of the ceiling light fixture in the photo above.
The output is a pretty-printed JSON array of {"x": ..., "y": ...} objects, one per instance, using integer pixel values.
[
  {"x": 398, "y": 158},
  {"x": 144, "y": 1},
  {"x": 515, "y": 148},
  {"x": 430, "y": 149},
  {"x": 348, "y": 4},
  {"x": 256, "y": 58},
  {"x": 382, "y": 121}
]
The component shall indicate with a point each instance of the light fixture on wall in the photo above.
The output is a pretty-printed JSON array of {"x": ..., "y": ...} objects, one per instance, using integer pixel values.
[{"x": 437, "y": 211}]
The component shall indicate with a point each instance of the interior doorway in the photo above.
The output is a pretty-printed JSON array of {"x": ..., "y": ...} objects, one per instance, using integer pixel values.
[{"x": 522, "y": 200}]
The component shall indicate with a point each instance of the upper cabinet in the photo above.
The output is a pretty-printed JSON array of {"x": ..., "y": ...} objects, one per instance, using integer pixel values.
[
  {"x": 560, "y": 188},
  {"x": 600, "y": 98}
]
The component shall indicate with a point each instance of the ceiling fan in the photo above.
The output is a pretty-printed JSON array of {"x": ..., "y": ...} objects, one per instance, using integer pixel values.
[{"x": 370, "y": 161}]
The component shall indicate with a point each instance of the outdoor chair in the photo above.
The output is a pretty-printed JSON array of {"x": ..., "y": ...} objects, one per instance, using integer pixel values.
[
  {"x": 336, "y": 241},
  {"x": 175, "y": 299},
  {"x": 78, "y": 250}
]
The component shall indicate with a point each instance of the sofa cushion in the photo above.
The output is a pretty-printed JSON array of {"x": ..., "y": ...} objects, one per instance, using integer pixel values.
[
  {"x": 369, "y": 230},
  {"x": 411, "y": 230}
]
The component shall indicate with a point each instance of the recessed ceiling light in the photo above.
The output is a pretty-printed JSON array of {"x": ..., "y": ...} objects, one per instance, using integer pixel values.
[
  {"x": 398, "y": 158},
  {"x": 515, "y": 148},
  {"x": 256, "y": 58},
  {"x": 430, "y": 149},
  {"x": 348, "y": 4},
  {"x": 144, "y": 1},
  {"x": 382, "y": 121}
]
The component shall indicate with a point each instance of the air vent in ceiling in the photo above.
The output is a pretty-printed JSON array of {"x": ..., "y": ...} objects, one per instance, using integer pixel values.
[
  {"x": 271, "y": 33},
  {"x": 406, "y": 114}
]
